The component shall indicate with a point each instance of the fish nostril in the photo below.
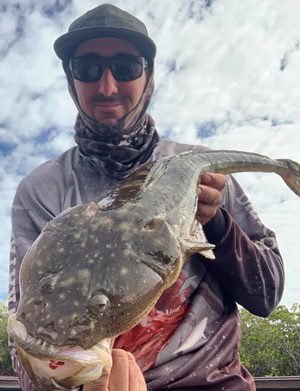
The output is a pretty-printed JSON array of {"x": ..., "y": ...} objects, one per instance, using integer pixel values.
[
  {"x": 154, "y": 224},
  {"x": 98, "y": 303}
]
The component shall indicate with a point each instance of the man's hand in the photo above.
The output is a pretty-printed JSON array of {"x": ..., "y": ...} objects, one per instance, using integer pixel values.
[
  {"x": 210, "y": 196},
  {"x": 125, "y": 375}
]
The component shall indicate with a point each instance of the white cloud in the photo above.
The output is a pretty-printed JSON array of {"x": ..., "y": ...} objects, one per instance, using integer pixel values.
[{"x": 234, "y": 65}]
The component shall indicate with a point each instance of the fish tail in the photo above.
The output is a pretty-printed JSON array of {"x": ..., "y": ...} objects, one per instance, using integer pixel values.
[{"x": 292, "y": 175}]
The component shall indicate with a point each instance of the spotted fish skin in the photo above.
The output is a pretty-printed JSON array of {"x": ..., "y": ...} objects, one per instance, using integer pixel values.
[{"x": 96, "y": 270}]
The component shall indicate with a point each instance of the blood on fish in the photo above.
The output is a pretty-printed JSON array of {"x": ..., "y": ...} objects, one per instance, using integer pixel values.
[{"x": 55, "y": 364}]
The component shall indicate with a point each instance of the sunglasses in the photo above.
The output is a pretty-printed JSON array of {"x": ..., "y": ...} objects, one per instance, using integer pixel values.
[{"x": 124, "y": 67}]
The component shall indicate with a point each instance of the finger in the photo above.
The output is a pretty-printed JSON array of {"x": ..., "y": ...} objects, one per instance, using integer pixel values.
[
  {"x": 206, "y": 213},
  {"x": 209, "y": 195},
  {"x": 209, "y": 201},
  {"x": 142, "y": 384},
  {"x": 217, "y": 181},
  {"x": 119, "y": 375},
  {"x": 136, "y": 378},
  {"x": 95, "y": 387}
]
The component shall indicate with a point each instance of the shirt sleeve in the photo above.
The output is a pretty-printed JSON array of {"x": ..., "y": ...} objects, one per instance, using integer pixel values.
[{"x": 248, "y": 264}]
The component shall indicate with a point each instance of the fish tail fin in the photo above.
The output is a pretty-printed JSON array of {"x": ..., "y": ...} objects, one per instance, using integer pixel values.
[{"x": 292, "y": 175}]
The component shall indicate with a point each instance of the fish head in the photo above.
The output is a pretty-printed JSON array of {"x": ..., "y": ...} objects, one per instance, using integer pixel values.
[
  {"x": 93, "y": 274},
  {"x": 52, "y": 284}
]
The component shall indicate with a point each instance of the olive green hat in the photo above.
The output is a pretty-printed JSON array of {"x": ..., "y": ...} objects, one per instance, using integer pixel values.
[{"x": 106, "y": 20}]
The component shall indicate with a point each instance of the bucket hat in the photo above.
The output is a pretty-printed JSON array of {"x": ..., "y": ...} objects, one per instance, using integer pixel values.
[{"x": 106, "y": 20}]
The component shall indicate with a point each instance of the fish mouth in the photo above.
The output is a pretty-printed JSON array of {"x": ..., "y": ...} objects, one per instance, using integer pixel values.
[
  {"x": 41, "y": 348},
  {"x": 63, "y": 374},
  {"x": 64, "y": 366}
]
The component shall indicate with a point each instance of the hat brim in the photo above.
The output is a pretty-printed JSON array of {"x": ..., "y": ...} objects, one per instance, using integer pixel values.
[{"x": 66, "y": 44}]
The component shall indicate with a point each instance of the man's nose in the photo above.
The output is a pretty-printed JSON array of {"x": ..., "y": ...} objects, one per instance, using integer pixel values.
[{"x": 107, "y": 85}]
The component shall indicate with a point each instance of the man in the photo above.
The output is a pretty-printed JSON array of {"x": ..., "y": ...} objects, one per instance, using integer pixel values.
[{"x": 190, "y": 340}]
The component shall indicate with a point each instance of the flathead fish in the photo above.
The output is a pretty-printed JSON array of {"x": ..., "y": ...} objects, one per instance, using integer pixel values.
[{"x": 96, "y": 270}]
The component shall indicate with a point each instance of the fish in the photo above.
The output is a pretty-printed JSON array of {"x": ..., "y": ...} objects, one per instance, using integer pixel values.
[{"x": 96, "y": 270}]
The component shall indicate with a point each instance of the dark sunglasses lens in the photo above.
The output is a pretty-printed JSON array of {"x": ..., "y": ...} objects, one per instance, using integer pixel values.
[
  {"x": 86, "y": 69},
  {"x": 127, "y": 68},
  {"x": 124, "y": 67}
]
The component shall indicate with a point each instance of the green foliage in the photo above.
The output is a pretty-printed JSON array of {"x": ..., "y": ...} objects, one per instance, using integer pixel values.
[
  {"x": 5, "y": 361},
  {"x": 271, "y": 346}
]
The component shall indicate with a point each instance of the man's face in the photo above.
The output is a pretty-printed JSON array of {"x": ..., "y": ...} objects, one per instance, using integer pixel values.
[{"x": 107, "y": 100}]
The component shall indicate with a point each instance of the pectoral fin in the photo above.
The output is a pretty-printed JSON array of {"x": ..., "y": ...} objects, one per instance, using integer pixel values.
[
  {"x": 192, "y": 245},
  {"x": 197, "y": 242}
]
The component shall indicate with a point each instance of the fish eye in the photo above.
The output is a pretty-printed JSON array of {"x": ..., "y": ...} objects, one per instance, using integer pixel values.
[
  {"x": 98, "y": 303},
  {"x": 154, "y": 224}
]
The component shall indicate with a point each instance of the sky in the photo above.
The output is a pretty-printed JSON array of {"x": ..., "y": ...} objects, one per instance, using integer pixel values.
[{"x": 227, "y": 76}]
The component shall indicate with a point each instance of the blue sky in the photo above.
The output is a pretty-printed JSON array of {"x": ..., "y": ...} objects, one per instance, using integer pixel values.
[{"x": 227, "y": 76}]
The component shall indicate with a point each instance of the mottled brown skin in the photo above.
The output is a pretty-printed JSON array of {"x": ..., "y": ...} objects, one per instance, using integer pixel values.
[{"x": 98, "y": 291}]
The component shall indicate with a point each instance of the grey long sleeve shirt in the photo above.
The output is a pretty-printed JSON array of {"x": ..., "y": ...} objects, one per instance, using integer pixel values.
[{"x": 201, "y": 350}]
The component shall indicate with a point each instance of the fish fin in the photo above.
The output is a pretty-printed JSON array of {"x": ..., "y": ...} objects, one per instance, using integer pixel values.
[
  {"x": 198, "y": 234},
  {"x": 191, "y": 245},
  {"x": 209, "y": 254}
]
